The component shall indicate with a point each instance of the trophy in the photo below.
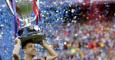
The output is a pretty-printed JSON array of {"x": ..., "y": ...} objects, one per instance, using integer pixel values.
[{"x": 27, "y": 31}]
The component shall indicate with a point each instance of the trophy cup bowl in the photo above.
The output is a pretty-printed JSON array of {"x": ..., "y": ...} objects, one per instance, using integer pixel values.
[{"x": 24, "y": 10}]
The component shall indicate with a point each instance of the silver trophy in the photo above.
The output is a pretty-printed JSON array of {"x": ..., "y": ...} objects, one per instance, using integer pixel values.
[{"x": 27, "y": 31}]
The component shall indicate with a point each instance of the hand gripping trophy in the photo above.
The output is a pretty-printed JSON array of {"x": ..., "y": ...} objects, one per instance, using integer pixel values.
[{"x": 22, "y": 9}]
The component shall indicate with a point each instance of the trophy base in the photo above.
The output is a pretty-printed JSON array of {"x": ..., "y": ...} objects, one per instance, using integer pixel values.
[
  {"x": 32, "y": 35},
  {"x": 35, "y": 38}
]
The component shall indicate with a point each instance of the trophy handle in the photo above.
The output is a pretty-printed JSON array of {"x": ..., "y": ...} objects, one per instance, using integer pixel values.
[{"x": 8, "y": 2}]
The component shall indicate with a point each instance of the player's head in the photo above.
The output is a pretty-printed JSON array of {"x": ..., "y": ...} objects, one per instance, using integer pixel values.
[{"x": 29, "y": 48}]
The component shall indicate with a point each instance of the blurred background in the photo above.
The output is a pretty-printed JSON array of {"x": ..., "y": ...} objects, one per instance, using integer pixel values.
[{"x": 76, "y": 29}]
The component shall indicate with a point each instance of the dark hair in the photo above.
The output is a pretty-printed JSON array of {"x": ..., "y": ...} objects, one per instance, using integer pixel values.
[{"x": 24, "y": 43}]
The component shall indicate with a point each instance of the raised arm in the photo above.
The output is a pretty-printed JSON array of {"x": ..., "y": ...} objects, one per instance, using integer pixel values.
[
  {"x": 52, "y": 54},
  {"x": 16, "y": 50}
]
